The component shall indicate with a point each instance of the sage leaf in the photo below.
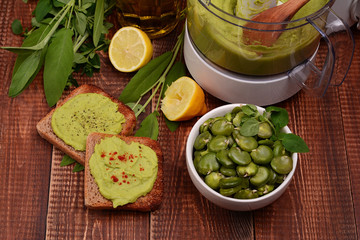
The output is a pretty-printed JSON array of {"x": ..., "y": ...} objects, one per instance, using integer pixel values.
[
  {"x": 66, "y": 160},
  {"x": 293, "y": 143},
  {"x": 64, "y": 1},
  {"x": 98, "y": 21},
  {"x": 250, "y": 127},
  {"x": 172, "y": 126},
  {"x": 16, "y": 27},
  {"x": 34, "y": 38},
  {"x": 58, "y": 65},
  {"x": 44, "y": 39},
  {"x": 149, "y": 127},
  {"x": 135, "y": 107},
  {"x": 23, "y": 72},
  {"x": 145, "y": 78},
  {"x": 57, "y": 4},
  {"x": 78, "y": 167},
  {"x": 80, "y": 23},
  {"x": 42, "y": 9}
]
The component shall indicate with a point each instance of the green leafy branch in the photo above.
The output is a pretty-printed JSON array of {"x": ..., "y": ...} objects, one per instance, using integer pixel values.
[
  {"x": 277, "y": 118},
  {"x": 65, "y": 38},
  {"x": 156, "y": 76}
]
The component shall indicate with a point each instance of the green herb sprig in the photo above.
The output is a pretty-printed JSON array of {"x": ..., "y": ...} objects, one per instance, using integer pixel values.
[
  {"x": 277, "y": 118},
  {"x": 65, "y": 38},
  {"x": 66, "y": 161},
  {"x": 156, "y": 76}
]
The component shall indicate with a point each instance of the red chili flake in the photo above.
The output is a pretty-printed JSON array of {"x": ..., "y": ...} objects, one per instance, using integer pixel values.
[
  {"x": 135, "y": 180},
  {"x": 131, "y": 156},
  {"x": 114, "y": 153},
  {"x": 124, "y": 181},
  {"x": 114, "y": 178},
  {"x": 120, "y": 183},
  {"x": 123, "y": 173},
  {"x": 133, "y": 175},
  {"x": 126, "y": 176},
  {"x": 109, "y": 163},
  {"x": 107, "y": 169},
  {"x": 142, "y": 169},
  {"x": 121, "y": 158},
  {"x": 103, "y": 155},
  {"x": 128, "y": 182},
  {"x": 131, "y": 161},
  {"x": 112, "y": 159}
]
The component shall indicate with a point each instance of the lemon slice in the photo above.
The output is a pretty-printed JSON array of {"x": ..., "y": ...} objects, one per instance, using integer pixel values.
[
  {"x": 183, "y": 100},
  {"x": 130, "y": 49}
]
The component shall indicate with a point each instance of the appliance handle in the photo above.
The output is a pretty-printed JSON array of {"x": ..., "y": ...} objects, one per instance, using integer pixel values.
[{"x": 341, "y": 46}]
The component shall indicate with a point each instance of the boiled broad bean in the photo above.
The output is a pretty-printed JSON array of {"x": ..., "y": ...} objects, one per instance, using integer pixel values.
[
  {"x": 279, "y": 149},
  {"x": 208, "y": 164},
  {"x": 273, "y": 177},
  {"x": 282, "y": 164},
  {"x": 261, "y": 177},
  {"x": 245, "y": 143},
  {"x": 202, "y": 139},
  {"x": 223, "y": 157},
  {"x": 237, "y": 119},
  {"x": 228, "y": 172},
  {"x": 197, "y": 157},
  {"x": 213, "y": 180},
  {"x": 265, "y": 189},
  {"x": 246, "y": 194},
  {"x": 230, "y": 191},
  {"x": 230, "y": 182},
  {"x": 248, "y": 170},
  {"x": 239, "y": 157},
  {"x": 218, "y": 143},
  {"x": 266, "y": 142},
  {"x": 262, "y": 155},
  {"x": 222, "y": 127},
  {"x": 265, "y": 130},
  {"x": 205, "y": 126}
]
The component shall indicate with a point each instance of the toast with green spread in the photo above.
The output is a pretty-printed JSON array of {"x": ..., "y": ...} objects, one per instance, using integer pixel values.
[
  {"x": 125, "y": 161},
  {"x": 46, "y": 126}
]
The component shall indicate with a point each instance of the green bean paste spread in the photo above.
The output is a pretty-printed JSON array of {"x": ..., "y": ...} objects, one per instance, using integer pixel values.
[
  {"x": 84, "y": 114},
  {"x": 123, "y": 172}
]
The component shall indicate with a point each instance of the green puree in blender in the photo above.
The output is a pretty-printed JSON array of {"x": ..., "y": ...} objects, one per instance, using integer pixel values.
[{"x": 218, "y": 36}]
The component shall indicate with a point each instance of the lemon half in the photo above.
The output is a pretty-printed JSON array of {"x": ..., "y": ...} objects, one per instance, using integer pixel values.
[
  {"x": 184, "y": 99},
  {"x": 130, "y": 49}
]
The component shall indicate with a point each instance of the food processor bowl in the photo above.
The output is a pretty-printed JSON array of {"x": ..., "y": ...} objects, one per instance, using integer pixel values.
[{"x": 215, "y": 37}]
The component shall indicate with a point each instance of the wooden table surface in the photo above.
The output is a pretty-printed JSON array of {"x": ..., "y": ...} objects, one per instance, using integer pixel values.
[{"x": 39, "y": 199}]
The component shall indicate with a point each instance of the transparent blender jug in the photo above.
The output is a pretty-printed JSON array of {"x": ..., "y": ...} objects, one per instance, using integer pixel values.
[{"x": 218, "y": 35}]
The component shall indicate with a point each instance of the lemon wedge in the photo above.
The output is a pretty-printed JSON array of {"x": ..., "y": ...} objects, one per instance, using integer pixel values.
[
  {"x": 183, "y": 100},
  {"x": 130, "y": 49}
]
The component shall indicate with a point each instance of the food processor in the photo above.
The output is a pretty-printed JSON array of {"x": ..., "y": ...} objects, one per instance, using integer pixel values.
[{"x": 234, "y": 69}]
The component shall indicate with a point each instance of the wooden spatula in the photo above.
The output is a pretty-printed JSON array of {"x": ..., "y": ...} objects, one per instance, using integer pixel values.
[{"x": 266, "y": 36}]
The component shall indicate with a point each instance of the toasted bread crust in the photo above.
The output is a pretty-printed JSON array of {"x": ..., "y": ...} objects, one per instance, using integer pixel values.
[
  {"x": 45, "y": 130},
  {"x": 94, "y": 199}
]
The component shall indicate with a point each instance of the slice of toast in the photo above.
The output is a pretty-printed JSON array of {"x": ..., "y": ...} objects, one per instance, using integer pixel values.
[
  {"x": 45, "y": 130},
  {"x": 94, "y": 199}
]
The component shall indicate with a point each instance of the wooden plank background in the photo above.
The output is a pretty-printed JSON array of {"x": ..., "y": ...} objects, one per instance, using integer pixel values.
[{"x": 39, "y": 199}]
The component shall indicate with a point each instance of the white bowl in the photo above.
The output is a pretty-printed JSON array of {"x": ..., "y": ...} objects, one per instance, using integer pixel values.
[{"x": 217, "y": 198}]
